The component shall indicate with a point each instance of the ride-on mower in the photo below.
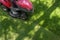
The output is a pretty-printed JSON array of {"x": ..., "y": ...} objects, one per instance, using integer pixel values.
[{"x": 17, "y": 8}]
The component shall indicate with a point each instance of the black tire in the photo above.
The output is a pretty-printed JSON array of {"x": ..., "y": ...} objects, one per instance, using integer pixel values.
[
  {"x": 23, "y": 16},
  {"x": 13, "y": 14},
  {"x": 3, "y": 7}
]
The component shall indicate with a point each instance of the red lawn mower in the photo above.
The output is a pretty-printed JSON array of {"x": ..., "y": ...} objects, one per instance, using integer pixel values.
[{"x": 17, "y": 8}]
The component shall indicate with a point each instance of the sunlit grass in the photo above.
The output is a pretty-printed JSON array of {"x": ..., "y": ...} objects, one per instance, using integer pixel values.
[
  {"x": 56, "y": 13},
  {"x": 48, "y": 3},
  {"x": 35, "y": 17},
  {"x": 11, "y": 35}
]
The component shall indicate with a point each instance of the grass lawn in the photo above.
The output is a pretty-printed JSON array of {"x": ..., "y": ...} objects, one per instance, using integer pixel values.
[{"x": 44, "y": 24}]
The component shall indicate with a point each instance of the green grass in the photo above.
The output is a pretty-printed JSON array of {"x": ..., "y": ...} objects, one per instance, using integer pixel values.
[{"x": 43, "y": 25}]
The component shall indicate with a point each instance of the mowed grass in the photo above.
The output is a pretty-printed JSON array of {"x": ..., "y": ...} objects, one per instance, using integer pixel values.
[{"x": 44, "y": 24}]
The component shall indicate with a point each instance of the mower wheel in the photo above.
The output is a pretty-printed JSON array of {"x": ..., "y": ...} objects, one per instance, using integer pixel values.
[
  {"x": 23, "y": 16},
  {"x": 3, "y": 7},
  {"x": 13, "y": 14}
]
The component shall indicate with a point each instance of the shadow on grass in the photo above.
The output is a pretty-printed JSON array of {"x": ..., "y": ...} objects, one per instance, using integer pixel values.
[{"x": 49, "y": 30}]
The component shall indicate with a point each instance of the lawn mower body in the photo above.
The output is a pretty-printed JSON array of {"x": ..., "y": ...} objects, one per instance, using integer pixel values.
[
  {"x": 18, "y": 8},
  {"x": 6, "y": 3}
]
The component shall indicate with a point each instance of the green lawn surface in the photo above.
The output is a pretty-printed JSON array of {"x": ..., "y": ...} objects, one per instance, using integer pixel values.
[{"x": 44, "y": 24}]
